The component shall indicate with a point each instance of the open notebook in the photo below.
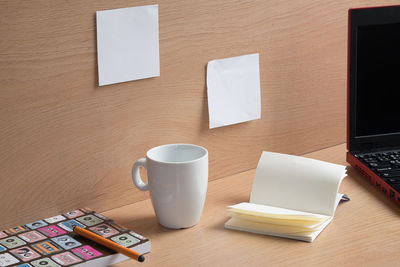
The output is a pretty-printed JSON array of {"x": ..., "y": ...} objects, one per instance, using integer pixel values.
[
  {"x": 292, "y": 197},
  {"x": 52, "y": 243}
]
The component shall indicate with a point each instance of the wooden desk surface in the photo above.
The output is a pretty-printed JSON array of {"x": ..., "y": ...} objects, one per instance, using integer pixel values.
[{"x": 364, "y": 232}]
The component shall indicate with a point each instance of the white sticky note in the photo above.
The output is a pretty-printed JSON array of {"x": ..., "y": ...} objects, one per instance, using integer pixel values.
[
  {"x": 127, "y": 44},
  {"x": 233, "y": 90}
]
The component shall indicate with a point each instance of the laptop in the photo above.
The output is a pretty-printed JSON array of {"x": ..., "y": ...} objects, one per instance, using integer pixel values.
[{"x": 373, "y": 123}]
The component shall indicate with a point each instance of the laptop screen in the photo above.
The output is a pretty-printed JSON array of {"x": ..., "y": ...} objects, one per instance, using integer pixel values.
[
  {"x": 378, "y": 79},
  {"x": 374, "y": 78}
]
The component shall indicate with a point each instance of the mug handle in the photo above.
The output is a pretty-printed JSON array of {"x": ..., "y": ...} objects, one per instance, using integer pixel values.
[{"x": 137, "y": 180}]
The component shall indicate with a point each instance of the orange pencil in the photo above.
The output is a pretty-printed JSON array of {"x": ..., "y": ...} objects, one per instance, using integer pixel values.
[{"x": 108, "y": 243}]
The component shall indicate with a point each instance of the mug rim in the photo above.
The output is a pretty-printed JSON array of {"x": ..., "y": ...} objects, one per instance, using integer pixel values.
[{"x": 179, "y": 162}]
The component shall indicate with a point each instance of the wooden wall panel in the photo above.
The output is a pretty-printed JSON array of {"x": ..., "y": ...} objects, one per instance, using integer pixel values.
[{"x": 65, "y": 142}]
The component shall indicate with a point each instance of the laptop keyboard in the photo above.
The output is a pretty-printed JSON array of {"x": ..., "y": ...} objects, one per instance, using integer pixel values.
[{"x": 386, "y": 165}]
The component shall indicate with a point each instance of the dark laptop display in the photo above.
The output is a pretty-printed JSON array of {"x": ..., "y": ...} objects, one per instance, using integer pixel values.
[{"x": 373, "y": 137}]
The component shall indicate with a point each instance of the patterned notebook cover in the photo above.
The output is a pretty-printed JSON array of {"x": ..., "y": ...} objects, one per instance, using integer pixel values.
[{"x": 51, "y": 242}]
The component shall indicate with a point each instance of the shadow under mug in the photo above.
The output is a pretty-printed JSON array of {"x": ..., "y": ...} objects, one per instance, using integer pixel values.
[{"x": 177, "y": 176}]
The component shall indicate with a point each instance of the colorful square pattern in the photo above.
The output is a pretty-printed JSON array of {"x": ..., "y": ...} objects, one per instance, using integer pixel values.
[
  {"x": 118, "y": 227},
  {"x": 7, "y": 259},
  {"x": 25, "y": 253},
  {"x": 55, "y": 219},
  {"x": 69, "y": 225},
  {"x": 104, "y": 230},
  {"x": 51, "y": 242},
  {"x": 32, "y": 236},
  {"x": 89, "y": 220},
  {"x": 73, "y": 214},
  {"x": 36, "y": 225},
  {"x": 52, "y": 231},
  {"x": 86, "y": 252},
  {"x": 66, "y": 242},
  {"x": 66, "y": 258},
  {"x": 125, "y": 240},
  {"x": 87, "y": 210},
  {"x": 16, "y": 230},
  {"x": 101, "y": 216},
  {"x": 44, "y": 262},
  {"x": 2, "y": 234},
  {"x": 46, "y": 247},
  {"x": 12, "y": 242}
]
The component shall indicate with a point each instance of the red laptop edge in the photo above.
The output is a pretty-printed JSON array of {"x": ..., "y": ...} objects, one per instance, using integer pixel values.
[{"x": 371, "y": 137}]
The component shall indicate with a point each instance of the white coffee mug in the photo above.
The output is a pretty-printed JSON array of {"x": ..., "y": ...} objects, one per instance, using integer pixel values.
[{"x": 177, "y": 178}]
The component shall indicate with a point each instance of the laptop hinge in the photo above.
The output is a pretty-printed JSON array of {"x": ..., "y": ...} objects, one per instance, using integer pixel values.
[{"x": 369, "y": 148}]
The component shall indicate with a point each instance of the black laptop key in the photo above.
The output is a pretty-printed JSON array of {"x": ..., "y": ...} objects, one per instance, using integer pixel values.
[
  {"x": 370, "y": 160},
  {"x": 373, "y": 164},
  {"x": 386, "y": 169},
  {"x": 379, "y": 165},
  {"x": 390, "y": 174},
  {"x": 382, "y": 159},
  {"x": 393, "y": 181}
]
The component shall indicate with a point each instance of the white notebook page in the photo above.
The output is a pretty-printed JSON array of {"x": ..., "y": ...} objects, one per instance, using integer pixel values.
[{"x": 297, "y": 183}]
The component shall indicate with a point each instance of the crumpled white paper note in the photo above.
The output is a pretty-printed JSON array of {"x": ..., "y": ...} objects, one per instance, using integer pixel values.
[{"x": 233, "y": 90}]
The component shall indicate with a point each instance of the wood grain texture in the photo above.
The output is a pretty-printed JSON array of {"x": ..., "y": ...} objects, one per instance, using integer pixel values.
[
  {"x": 364, "y": 232},
  {"x": 65, "y": 142}
]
